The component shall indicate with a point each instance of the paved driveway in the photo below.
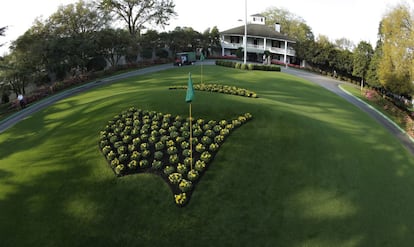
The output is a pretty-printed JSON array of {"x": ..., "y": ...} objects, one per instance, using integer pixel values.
[
  {"x": 332, "y": 85},
  {"x": 22, "y": 114}
]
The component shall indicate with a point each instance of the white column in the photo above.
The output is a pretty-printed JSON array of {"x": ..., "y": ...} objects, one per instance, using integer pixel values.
[
  {"x": 245, "y": 31},
  {"x": 285, "y": 55},
  {"x": 264, "y": 44}
]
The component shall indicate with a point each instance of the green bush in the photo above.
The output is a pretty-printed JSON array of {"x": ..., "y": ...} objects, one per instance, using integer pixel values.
[{"x": 243, "y": 66}]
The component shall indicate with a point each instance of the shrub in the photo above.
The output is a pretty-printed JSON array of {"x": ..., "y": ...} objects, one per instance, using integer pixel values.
[
  {"x": 156, "y": 164},
  {"x": 206, "y": 140},
  {"x": 115, "y": 162},
  {"x": 243, "y": 66},
  {"x": 135, "y": 155},
  {"x": 219, "y": 139},
  {"x": 123, "y": 157},
  {"x": 214, "y": 147},
  {"x": 168, "y": 170},
  {"x": 175, "y": 177},
  {"x": 185, "y": 185},
  {"x": 187, "y": 161},
  {"x": 205, "y": 156},
  {"x": 186, "y": 153},
  {"x": 180, "y": 199},
  {"x": 172, "y": 150},
  {"x": 200, "y": 148},
  {"x": 200, "y": 165},
  {"x": 181, "y": 168},
  {"x": 159, "y": 146},
  {"x": 143, "y": 163},
  {"x": 158, "y": 155},
  {"x": 185, "y": 145},
  {"x": 193, "y": 175},
  {"x": 146, "y": 153},
  {"x": 133, "y": 164},
  {"x": 173, "y": 159},
  {"x": 106, "y": 150},
  {"x": 119, "y": 169}
]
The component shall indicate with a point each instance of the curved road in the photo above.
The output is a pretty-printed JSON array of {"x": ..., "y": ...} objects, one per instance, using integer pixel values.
[
  {"x": 333, "y": 85},
  {"x": 20, "y": 115},
  {"x": 326, "y": 82}
]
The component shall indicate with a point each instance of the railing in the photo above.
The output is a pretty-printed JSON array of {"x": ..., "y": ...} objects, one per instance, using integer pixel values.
[
  {"x": 258, "y": 48},
  {"x": 229, "y": 45},
  {"x": 290, "y": 51}
]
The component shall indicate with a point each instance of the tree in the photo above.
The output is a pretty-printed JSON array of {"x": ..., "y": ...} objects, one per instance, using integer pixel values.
[
  {"x": 17, "y": 76},
  {"x": 77, "y": 19},
  {"x": 345, "y": 44},
  {"x": 28, "y": 54},
  {"x": 148, "y": 43},
  {"x": 294, "y": 27},
  {"x": 323, "y": 53},
  {"x": 372, "y": 73},
  {"x": 210, "y": 40},
  {"x": 395, "y": 70},
  {"x": 362, "y": 58},
  {"x": 2, "y": 33},
  {"x": 113, "y": 44},
  {"x": 183, "y": 39},
  {"x": 137, "y": 13},
  {"x": 73, "y": 30},
  {"x": 342, "y": 62},
  {"x": 2, "y": 30}
]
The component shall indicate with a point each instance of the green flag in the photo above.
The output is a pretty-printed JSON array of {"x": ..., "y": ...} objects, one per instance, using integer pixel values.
[
  {"x": 190, "y": 90},
  {"x": 202, "y": 57}
]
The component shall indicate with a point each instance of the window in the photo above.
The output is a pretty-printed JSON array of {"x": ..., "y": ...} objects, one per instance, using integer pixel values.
[
  {"x": 276, "y": 43},
  {"x": 254, "y": 18},
  {"x": 255, "y": 42},
  {"x": 234, "y": 39}
]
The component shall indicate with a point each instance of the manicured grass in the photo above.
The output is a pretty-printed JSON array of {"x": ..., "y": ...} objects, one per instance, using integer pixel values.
[{"x": 308, "y": 170}]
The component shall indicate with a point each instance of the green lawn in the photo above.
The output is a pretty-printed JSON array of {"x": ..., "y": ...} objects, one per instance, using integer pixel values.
[{"x": 309, "y": 170}]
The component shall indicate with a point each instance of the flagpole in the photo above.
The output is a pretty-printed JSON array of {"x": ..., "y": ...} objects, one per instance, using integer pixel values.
[
  {"x": 188, "y": 98},
  {"x": 191, "y": 139},
  {"x": 202, "y": 63}
]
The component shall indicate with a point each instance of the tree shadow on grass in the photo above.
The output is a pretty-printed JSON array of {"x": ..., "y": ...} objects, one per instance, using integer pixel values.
[{"x": 286, "y": 178}]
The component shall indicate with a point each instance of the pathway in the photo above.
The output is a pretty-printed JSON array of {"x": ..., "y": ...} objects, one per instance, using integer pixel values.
[{"x": 33, "y": 108}]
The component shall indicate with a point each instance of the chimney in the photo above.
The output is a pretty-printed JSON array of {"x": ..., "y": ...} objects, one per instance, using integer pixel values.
[{"x": 277, "y": 27}]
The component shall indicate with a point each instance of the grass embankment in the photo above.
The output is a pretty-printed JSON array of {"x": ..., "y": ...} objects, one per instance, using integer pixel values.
[
  {"x": 308, "y": 170},
  {"x": 385, "y": 106}
]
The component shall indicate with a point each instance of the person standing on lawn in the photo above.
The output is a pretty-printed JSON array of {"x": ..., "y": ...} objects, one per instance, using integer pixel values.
[{"x": 21, "y": 101}]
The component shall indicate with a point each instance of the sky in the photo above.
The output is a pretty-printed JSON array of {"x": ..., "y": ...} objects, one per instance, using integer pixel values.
[{"x": 357, "y": 20}]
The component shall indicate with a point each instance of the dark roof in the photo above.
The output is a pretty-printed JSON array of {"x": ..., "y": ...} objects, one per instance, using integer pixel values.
[
  {"x": 258, "y": 15},
  {"x": 258, "y": 30}
]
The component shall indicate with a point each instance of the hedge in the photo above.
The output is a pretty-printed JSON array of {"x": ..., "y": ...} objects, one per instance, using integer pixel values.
[{"x": 238, "y": 65}]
